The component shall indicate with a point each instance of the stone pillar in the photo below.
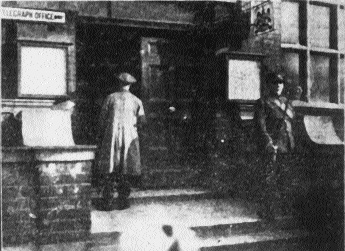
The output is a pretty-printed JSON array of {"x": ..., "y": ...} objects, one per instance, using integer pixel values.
[{"x": 46, "y": 194}]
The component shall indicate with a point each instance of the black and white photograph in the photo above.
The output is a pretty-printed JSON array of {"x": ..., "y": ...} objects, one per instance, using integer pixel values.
[{"x": 172, "y": 125}]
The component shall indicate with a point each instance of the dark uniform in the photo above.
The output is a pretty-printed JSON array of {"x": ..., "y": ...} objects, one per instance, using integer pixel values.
[{"x": 273, "y": 116}]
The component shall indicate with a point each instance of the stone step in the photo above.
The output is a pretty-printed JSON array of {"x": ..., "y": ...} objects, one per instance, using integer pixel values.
[
  {"x": 277, "y": 240},
  {"x": 266, "y": 240},
  {"x": 294, "y": 240},
  {"x": 171, "y": 178},
  {"x": 188, "y": 213},
  {"x": 223, "y": 230},
  {"x": 150, "y": 195},
  {"x": 218, "y": 223}
]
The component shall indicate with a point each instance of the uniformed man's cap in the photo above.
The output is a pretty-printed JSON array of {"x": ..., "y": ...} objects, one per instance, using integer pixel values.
[
  {"x": 273, "y": 78},
  {"x": 126, "y": 78}
]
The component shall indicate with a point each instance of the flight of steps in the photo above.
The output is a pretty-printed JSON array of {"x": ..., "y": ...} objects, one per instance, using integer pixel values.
[{"x": 219, "y": 223}]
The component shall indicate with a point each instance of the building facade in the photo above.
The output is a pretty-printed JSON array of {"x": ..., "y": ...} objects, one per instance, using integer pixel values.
[{"x": 200, "y": 66}]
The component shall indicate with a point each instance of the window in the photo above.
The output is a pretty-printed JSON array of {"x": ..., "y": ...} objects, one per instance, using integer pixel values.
[
  {"x": 319, "y": 19},
  {"x": 313, "y": 43},
  {"x": 42, "y": 70},
  {"x": 342, "y": 79},
  {"x": 291, "y": 61},
  {"x": 290, "y": 32},
  {"x": 320, "y": 78},
  {"x": 341, "y": 29},
  {"x": 243, "y": 75}
]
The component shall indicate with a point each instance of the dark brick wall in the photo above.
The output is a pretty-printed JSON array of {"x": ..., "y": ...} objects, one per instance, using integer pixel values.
[
  {"x": 64, "y": 201},
  {"x": 19, "y": 203},
  {"x": 45, "y": 201}
]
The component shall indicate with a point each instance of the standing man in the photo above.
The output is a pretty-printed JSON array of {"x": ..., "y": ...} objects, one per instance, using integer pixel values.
[
  {"x": 273, "y": 116},
  {"x": 118, "y": 156}
]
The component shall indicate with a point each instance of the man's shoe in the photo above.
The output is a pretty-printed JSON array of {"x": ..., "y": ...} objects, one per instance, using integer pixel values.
[
  {"x": 122, "y": 204},
  {"x": 104, "y": 205}
]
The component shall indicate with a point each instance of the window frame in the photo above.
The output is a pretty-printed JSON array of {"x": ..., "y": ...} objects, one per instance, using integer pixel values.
[
  {"x": 40, "y": 44},
  {"x": 305, "y": 48}
]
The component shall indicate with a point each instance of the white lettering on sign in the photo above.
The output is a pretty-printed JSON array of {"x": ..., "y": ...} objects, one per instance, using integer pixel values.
[{"x": 32, "y": 15}]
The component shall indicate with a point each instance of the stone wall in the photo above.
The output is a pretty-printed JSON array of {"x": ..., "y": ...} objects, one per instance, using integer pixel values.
[
  {"x": 46, "y": 194},
  {"x": 19, "y": 201}
]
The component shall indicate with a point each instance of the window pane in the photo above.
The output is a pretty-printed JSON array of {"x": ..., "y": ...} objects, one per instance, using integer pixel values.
[
  {"x": 290, "y": 23},
  {"x": 342, "y": 79},
  {"x": 243, "y": 75},
  {"x": 320, "y": 78},
  {"x": 341, "y": 30},
  {"x": 291, "y": 67},
  {"x": 319, "y": 26},
  {"x": 43, "y": 71}
]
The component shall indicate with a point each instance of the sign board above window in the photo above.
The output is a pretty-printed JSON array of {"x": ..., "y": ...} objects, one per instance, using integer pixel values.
[
  {"x": 32, "y": 15},
  {"x": 262, "y": 16},
  {"x": 42, "y": 71}
]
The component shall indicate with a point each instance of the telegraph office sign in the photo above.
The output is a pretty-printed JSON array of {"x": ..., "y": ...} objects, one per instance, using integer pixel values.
[{"x": 32, "y": 15}]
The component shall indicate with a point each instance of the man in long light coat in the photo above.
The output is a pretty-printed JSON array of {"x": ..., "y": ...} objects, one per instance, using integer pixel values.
[{"x": 119, "y": 154}]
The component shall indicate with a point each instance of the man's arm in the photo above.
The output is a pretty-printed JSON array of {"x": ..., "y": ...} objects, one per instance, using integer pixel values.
[
  {"x": 102, "y": 120},
  {"x": 141, "y": 114},
  {"x": 261, "y": 117}
]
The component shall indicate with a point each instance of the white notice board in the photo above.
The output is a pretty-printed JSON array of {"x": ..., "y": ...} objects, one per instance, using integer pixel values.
[
  {"x": 243, "y": 79},
  {"x": 43, "y": 71}
]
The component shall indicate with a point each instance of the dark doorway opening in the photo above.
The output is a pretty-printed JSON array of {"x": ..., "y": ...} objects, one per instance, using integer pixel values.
[{"x": 175, "y": 70}]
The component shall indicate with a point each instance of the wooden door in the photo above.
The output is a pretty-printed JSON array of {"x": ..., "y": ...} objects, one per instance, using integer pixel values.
[{"x": 169, "y": 81}]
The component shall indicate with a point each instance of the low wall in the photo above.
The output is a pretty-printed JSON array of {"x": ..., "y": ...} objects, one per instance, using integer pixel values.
[{"x": 46, "y": 194}]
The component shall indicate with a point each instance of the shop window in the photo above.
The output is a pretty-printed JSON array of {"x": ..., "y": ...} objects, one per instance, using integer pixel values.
[
  {"x": 341, "y": 30},
  {"x": 342, "y": 79},
  {"x": 290, "y": 26},
  {"x": 243, "y": 75},
  {"x": 313, "y": 42},
  {"x": 319, "y": 21},
  {"x": 42, "y": 70},
  {"x": 291, "y": 62}
]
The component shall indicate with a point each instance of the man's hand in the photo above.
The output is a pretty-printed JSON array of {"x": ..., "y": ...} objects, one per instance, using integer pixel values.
[{"x": 271, "y": 148}]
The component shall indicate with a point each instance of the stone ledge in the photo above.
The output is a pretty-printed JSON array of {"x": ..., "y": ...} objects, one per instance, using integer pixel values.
[
  {"x": 46, "y": 103},
  {"x": 318, "y": 108},
  {"x": 48, "y": 154}
]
